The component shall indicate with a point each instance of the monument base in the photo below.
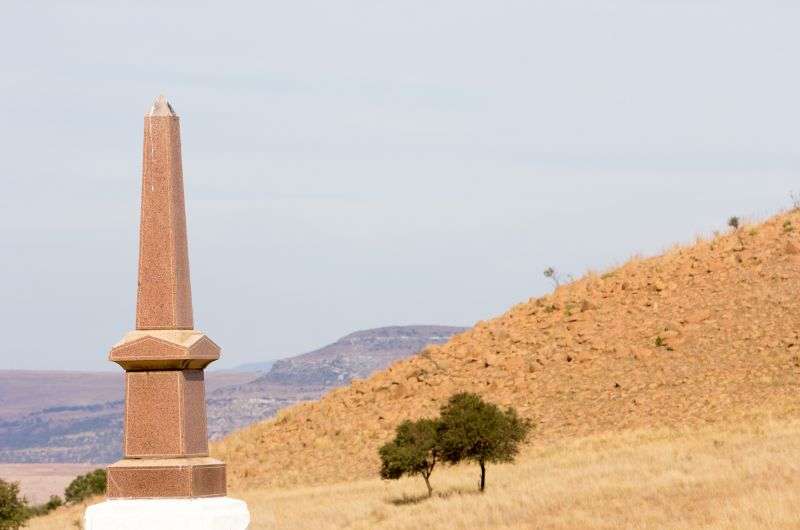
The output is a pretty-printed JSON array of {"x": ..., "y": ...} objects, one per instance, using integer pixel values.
[{"x": 216, "y": 513}]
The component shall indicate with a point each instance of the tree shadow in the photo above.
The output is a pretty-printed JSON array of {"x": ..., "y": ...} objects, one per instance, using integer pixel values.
[{"x": 407, "y": 500}]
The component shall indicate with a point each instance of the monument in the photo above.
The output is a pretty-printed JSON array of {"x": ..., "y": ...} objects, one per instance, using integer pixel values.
[{"x": 166, "y": 479}]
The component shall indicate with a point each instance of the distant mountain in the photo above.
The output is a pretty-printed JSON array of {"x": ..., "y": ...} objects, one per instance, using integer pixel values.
[
  {"x": 80, "y": 420},
  {"x": 355, "y": 356}
]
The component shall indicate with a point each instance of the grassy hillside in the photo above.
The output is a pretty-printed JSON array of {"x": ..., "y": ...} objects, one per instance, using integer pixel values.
[
  {"x": 741, "y": 476},
  {"x": 704, "y": 334}
]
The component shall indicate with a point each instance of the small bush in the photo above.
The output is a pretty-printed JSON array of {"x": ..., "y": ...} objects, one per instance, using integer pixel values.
[
  {"x": 85, "y": 486},
  {"x": 733, "y": 222},
  {"x": 551, "y": 274},
  {"x": 43, "y": 509},
  {"x": 54, "y": 502},
  {"x": 13, "y": 508}
]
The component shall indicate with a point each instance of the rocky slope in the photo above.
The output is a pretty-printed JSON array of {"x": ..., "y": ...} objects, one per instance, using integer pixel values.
[
  {"x": 702, "y": 334},
  {"x": 82, "y": 422}
]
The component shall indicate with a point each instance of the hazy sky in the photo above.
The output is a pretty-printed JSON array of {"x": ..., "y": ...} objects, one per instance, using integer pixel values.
[{"x": 358, "y": 164}]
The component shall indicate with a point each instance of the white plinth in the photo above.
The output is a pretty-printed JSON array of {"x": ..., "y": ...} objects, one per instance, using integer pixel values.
[{"x": 218, "y": 513}]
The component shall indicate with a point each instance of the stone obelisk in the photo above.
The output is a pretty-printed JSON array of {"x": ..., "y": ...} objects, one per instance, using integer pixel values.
[{"x": 166, "y": 478}]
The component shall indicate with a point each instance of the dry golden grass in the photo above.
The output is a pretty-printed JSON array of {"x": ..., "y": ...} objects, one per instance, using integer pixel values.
[{"x": 743, "y": 477}]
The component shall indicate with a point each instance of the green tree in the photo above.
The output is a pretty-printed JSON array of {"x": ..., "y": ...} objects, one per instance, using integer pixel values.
[
  {"x": 85, "y": 486},
  {"x": 13, "y": 508},
  {"x": 473, "y": 430},
  {"x": 412, "y": 452}
]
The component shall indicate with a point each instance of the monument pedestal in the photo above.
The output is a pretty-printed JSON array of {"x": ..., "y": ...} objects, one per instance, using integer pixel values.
[{"x": 216, "y": 513}]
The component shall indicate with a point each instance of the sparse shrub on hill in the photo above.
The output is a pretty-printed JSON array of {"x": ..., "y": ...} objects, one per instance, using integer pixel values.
[
  {"x": 85, "y": 486},
  {"x": 471, "y": 429},
  {"x": 13, "y": 509},
  {"x": 551, "y": 274},
  {"x": 412, "y": 452},
  {"x": 733, "y": 222}
]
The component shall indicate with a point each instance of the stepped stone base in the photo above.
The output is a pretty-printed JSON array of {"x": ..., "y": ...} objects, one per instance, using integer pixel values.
[
  {"x": 219, "y": 513},
  {"x": 166, "y": 478}
]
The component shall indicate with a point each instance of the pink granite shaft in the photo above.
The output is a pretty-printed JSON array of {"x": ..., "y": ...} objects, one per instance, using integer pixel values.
[{"x": 164, "y": 298}]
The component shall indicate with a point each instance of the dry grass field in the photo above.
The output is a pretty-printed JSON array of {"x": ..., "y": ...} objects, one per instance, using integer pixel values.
[{"x": 743, "y": 477}]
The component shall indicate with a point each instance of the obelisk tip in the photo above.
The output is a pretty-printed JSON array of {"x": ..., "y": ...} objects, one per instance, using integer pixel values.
[{"x": 161, "y": 107}]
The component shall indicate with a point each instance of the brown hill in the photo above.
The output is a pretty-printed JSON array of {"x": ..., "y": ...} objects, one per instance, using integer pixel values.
[{"x": 702, "y": 334}]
